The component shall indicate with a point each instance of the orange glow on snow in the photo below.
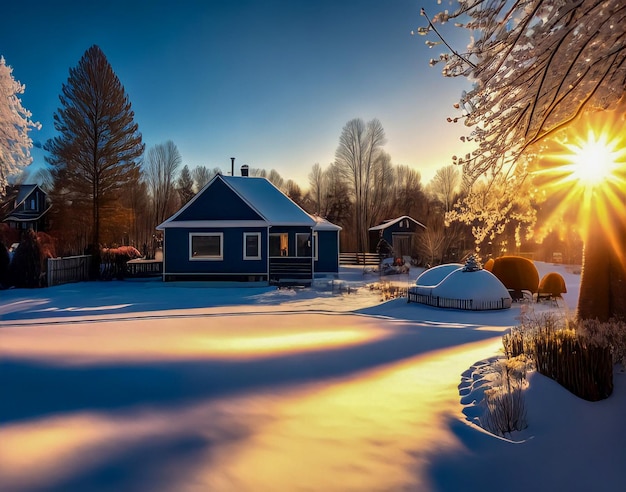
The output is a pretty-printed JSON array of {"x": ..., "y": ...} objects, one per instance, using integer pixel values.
[{"x": 161, "y": 339}]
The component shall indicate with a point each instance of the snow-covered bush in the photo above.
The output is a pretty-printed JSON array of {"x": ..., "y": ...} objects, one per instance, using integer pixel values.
[{"x": 578, "y": 355}]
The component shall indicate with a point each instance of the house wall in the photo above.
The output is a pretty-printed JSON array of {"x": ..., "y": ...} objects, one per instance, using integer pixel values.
[
  {"x": 177, "y": 262},
  {"x": 222, "y": 203},
  {"x": 327, "y": 252}
]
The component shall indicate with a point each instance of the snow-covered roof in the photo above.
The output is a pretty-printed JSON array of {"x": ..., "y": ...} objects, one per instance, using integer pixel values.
[
  {"x": 271, "y": 203},
  {"x": 391, "y": 222},
  {"x": 322, "y": 224},
  {"x": 434, "y": 275},
  {"x": 480, "y": 286},
  {"x": 274, "y": 207}
]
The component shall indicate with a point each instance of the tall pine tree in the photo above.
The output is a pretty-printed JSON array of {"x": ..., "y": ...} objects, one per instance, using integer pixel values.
[{"x": 96, "y": 154}]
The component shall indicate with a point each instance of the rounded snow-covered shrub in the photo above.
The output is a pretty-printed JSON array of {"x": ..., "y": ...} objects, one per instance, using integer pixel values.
[
  {"x": 552, "y": 284},
  {"x": 516, "y": 273}
]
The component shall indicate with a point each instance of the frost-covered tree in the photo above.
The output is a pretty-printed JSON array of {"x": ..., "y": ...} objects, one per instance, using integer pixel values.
[
  {"x": 15, "y": 123},
  {"x": 537, "y": 66},
  {"x": 159, "y": 169},
  {"x": 98, "y": 147},
  {"x": 445, "y": 186}
]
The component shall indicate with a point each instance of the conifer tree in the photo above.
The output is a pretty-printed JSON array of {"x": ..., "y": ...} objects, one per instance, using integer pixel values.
[{"x": 98, "y": 147}]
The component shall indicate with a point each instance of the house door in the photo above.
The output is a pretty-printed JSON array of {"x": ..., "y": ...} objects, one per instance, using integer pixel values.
[{"x": 402, "y": 245}]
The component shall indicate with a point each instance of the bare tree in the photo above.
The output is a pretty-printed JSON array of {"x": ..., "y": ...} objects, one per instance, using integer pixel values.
[
  {"x": 202, "y": 175},
  {"x": 357, "y": 156},
  {"x": 96, "y": 154},
  {"x": 537, "y": 66},
  {"x": 316, "y": 186},
  {"x": 159, "y": 168},
  {"x": 445, "y": 186}
]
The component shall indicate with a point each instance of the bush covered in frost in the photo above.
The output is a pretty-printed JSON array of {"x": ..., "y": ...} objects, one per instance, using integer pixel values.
[{"x": 579, "y": 355}]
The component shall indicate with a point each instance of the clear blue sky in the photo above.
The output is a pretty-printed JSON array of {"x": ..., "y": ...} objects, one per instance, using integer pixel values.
[{"x": 270, "y": 82}]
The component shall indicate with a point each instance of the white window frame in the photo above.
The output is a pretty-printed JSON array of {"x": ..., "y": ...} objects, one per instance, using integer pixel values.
[
  {"x": 258, "y": 255},
  {"x": 278, "y": 234},
  {"x": 310, "y": 239},
  {"x": 206, "y": 258}
]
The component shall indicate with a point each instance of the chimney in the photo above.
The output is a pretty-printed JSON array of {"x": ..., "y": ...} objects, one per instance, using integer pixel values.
[
  {"x": 244, "y": 170},
  {"x": 232, "y": 166}
]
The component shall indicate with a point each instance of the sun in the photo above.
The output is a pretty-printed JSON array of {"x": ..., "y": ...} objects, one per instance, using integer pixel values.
[{"x": 592, "y": 161}]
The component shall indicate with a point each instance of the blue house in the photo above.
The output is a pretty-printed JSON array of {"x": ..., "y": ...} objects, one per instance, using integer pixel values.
[
  {"x": 25, "y": 207},
  {"x": 243, "y": 228},
  {"x": 397, "y": 233}
]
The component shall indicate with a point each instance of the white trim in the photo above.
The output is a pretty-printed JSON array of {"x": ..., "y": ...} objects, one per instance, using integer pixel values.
[
  {"x": 310, "y": 234},
  {"x": 258, "y": 255},
  {"x": 316, "y": 238},
  {"x": 206, "y": 258},
  {"x": 221, "y": 224}
]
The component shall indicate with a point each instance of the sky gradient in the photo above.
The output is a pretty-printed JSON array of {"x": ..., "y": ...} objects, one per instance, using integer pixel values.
[{"x": 270, "y": 82}]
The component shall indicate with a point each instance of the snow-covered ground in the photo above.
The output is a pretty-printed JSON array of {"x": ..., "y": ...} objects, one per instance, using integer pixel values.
[{"x": 144, "y": 385}]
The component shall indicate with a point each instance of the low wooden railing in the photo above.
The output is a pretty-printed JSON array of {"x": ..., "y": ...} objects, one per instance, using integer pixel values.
[
  {"x": 69, "y": 269},
  {"x": 369, "y": 259}
]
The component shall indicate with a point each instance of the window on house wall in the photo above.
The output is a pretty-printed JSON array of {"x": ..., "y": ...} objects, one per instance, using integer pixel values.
[
  {"x": 303, "y": 245},
  {"x": 315, "y": 246},
  {"x": 251, "y": 245},
  {"x": 206, "y": 246},
  {"x": 279, "y": 244}
]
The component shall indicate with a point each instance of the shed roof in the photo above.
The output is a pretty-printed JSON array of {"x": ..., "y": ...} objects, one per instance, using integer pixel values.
[{"x": 389, "y": 223}]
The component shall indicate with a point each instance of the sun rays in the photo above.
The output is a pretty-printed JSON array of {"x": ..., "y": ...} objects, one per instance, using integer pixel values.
[{"x": 583, "y": 175}]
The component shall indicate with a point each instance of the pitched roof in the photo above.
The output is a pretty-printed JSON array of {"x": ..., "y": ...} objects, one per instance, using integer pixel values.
[
  {"x": 391, "y": 222},
  {"x": 271, "y": 203},
  {"x": 274, "y": 207}
]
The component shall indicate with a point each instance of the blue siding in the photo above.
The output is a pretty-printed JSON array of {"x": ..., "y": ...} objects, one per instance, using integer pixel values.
[
  {"x": 327, "y": 252},
  {"x": 176, "y": 253},
  {"x": 219, "y": 203}
]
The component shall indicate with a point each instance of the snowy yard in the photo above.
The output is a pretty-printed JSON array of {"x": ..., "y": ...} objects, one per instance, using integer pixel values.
[{"x": 144, "y": 385}]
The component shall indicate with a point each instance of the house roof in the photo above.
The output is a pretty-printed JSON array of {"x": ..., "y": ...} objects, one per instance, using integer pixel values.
[
  {"x": 14, "y": 199},
  {"x": 389, "y": 223},
  {"x": 271, "y": 204},
  {"x": 323, "y": 225}
]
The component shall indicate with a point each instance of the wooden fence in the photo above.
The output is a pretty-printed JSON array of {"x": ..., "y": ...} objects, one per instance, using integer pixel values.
[
  {"x": 370, "y": 259},
  {"x": 65, "y": 270}
]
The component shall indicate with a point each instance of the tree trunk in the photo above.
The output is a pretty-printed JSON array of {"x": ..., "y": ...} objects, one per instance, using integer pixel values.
[{"x": 603, "y": 283}]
